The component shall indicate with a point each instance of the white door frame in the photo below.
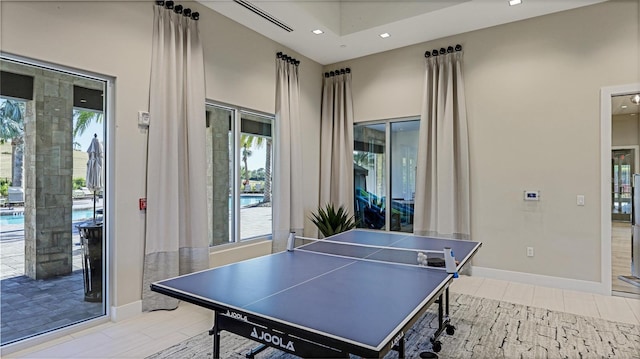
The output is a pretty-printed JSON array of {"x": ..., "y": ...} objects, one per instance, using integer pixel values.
[{"x": 605, "y": 177}]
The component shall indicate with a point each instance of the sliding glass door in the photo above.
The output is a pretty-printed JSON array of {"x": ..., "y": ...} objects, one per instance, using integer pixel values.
[
  {"x": 385, "y": 168},
  {"x": 52, "y": 246},
  {"x": 239, "y": 174}
]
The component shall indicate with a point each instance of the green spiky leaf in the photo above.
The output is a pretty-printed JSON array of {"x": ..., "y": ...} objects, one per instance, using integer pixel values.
[{"x": 331, "y": 221}]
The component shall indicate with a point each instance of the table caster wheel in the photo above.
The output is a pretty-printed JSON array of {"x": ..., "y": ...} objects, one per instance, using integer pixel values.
[
  {"x": 436, "y": 346},
  {"x": 451, "y": 329}
]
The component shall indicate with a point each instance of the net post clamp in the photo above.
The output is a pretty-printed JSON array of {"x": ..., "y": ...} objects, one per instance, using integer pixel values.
[
  {"x": 450, "y": 262},
  {"x": 291, "y": 241}
]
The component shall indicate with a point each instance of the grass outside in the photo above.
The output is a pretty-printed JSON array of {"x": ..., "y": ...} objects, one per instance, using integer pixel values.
[{"x": 79, "y": 162}]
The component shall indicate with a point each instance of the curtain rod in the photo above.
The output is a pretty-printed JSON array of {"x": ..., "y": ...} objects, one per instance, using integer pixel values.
[
  {"x": 179, "y": 9},
  {"x": 288, "y": 59},
  {"x": 337, "y": 72},
  {"x": 442, "y": 51}
]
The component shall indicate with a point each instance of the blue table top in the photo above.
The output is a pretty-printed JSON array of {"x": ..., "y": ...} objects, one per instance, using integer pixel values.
[{"x": 363, "y": 302}]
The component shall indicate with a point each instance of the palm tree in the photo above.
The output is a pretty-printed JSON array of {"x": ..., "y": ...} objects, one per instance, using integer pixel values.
[
  {"x": 12, "y": 128},
  {"x": 247, "y": 141},
  {"x": 82, "y": 119},
  {"x": 246, "y": 153},
  {"x": 267, "y": 173}
]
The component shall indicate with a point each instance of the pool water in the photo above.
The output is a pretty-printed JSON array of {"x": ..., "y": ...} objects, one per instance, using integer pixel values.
[
  {"x": 247, "y": 200},
  {"x": 84, "y": 214},
  {"x": 76, "y": 215}
]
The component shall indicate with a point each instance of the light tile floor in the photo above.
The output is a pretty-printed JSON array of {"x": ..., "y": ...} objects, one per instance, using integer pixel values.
[{"x": 149, "y": 333}]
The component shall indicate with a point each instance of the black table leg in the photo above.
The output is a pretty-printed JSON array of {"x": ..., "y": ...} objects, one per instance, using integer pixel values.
[{"x": 215, "y": 331}]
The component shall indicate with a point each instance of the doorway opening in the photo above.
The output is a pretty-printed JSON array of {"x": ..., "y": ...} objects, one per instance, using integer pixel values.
[{"x": 620, "y": 125}]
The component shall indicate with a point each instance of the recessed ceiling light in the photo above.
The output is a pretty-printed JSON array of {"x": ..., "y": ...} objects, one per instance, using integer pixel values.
[
  {"x": 623, "y": 106},
  {"x": 515, "y": 2},
  {"x": 83, "y": 100},
  {"x": 318, "y": 32},
  {"x": 385, "y": 35}
]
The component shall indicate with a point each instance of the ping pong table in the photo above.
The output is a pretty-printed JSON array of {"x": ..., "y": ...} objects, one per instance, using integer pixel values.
[{"x": 357, "y": 292}]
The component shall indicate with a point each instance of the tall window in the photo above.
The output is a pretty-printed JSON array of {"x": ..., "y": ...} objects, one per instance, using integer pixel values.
[
  {"x": 239, "y": 144},
  {"x": 52, "y": 241},
  {"x": 385, "y": 167}
]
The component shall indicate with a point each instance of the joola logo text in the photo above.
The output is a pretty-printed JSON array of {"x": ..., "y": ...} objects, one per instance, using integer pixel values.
[
  {"x": 273, "y": 339},
  {"x": 397, "y": 339},
  {"x": 237, "y": 316}
]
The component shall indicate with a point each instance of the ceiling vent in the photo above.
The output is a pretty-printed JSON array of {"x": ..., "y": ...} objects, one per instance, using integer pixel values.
[{"x": 263, "y": 14}]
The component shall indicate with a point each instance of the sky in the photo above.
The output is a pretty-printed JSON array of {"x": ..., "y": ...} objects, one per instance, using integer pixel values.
[
  {"x": 257, "y": 158},
  {"x": 85, "y": 139}
]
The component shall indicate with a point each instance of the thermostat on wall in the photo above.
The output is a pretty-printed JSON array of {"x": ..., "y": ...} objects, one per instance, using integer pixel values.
[
  {"x": 531, "y": 195},
  {"x": 143, "y": 118}
]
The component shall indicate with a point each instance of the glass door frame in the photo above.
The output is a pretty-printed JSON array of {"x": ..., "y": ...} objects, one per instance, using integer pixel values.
[
  {"x": 108, "y": 198},
  {"x": 388, "y": 128}
]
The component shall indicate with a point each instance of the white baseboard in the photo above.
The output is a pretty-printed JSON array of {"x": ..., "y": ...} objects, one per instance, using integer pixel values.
[
  {"x": 542, "y": 280},
  {"x": 126, "y": 311}
]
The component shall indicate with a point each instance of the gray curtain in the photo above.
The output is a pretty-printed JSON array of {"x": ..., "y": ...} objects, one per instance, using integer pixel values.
[
  {"x": 442, "y": 180},
  {"x": 176, "y": 230},
  {"x": 288, "y": 211},
  {"x": 336, "y": 141}
]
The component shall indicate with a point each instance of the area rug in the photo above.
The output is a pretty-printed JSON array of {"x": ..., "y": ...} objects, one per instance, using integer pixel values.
[{"x": 485, "y": 328}]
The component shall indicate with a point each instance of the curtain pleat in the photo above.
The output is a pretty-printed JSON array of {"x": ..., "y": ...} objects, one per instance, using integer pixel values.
[
  {"x": 288, "y": 211},
  {"x": 176, "y": 230},
  {"x": 336, "y": 142},
  {"x": 442, "y": 205}
]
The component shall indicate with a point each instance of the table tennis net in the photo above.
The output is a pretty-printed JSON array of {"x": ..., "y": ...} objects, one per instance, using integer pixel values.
[{"x": 397, "y": 255}]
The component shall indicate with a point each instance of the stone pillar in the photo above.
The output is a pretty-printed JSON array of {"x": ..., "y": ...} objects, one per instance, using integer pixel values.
[
  {"x": 48, "y": 174},
  {"x": 218, "y": 175}
]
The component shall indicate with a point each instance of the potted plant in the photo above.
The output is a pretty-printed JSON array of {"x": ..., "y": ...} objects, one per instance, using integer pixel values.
[{"x": 331, "y": 221}]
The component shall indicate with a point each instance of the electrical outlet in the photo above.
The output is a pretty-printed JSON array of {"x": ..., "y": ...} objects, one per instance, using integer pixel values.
[{"x": 529, "y": 251}]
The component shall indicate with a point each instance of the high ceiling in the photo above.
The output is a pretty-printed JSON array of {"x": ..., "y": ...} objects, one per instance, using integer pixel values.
[{"x": 352, "y": 28}]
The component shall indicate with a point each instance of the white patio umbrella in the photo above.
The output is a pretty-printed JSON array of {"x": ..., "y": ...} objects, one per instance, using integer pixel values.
[{"x": 94, "y": 170}]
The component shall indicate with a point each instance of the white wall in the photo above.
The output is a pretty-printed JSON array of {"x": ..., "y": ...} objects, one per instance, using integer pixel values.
[
  {"x": 533, "y": 92},
  {"x": 532, "y": 96},
  {"x": 114, "y": 39}
]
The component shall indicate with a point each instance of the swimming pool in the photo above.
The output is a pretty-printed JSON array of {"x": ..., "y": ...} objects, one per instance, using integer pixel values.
[
  {"x": 84, "y": 214},
  {"x": 248, "y": 199},
  {"x": 76, "y": 215}
]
